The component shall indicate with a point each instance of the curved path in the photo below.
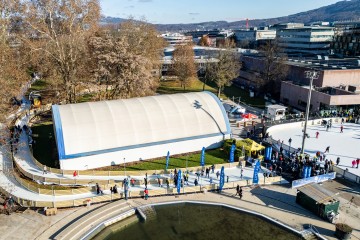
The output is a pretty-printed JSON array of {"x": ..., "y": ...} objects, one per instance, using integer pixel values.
[{"x": 23, "y": 158}]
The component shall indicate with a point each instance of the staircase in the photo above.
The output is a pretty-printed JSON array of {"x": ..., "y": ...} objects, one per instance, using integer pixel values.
[
  {"x": 308, "y": 235},
  {"x": 92, "y": 223},
  {"x": 147, "y": 212}
]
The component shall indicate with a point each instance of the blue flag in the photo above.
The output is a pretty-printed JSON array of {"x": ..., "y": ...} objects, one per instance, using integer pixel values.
[
  {"x": 308, "y": 172},
  {"x": 222, "y": 178},
  {"x": 179, "y": 182},
  {"x": 202, "y": 159},
  {"x": 232, "y": 153},
  {"x": 167, "y": 160},
  {"x": 256, "y": 172},
  {"x": 304, "y": 174}
]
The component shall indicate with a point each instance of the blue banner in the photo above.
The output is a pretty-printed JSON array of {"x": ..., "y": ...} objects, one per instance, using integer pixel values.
[
  {"x": 268, "y": 153},
  {"x": 316, "y": 179},
  {"x": 167, "y": 160},
  {"x": 222, "y": 178},
  {"x": 179, "y": 182},
  {"x": 202, "y": 159},
  {"x": 256, "y": 172},
  {"x": 232, "y": 153},
  {"x": 308, "y": 173}
]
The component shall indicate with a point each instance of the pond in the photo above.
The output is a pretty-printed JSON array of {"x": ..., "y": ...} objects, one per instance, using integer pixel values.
[{"x": 198, "y": 221}]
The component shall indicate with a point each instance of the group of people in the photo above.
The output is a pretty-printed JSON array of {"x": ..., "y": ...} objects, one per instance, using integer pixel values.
[
  {"x": 8, "y": 205},
  {"x": 239, "y": 191},
  {"x": 355, "y": 162}
]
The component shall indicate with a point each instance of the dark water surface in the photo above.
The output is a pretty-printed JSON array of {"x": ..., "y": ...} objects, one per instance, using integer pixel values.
[{"x": 203, "y": 222}]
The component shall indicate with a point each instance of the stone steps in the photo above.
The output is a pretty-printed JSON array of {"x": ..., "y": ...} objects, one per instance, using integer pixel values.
[{"x": 92, "y": 223}]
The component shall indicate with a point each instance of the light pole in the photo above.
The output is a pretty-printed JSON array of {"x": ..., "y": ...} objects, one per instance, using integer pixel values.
[
  {"x": 311, "y": 75},
  {"x": 289, "y": 145},
  {"x": 124, "y": 169}
]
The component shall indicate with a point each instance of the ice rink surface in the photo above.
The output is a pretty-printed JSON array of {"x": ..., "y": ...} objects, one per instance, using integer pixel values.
[{"x": 345, "y": 145}]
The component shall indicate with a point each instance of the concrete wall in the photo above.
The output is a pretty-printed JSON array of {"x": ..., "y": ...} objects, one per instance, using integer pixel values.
[
  {"x": 294, "y": 93},
  {"x": 341, "y": 77}
]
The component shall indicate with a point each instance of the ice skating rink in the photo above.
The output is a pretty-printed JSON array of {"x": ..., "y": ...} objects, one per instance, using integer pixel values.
[{"x": 345, "y": 145}]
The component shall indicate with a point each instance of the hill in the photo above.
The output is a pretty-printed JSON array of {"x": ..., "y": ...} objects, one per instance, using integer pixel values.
[{"x": 340, "y": 11}]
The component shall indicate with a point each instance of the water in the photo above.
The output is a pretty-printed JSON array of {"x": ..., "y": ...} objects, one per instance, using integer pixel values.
[{"x": 194, "y": 221}]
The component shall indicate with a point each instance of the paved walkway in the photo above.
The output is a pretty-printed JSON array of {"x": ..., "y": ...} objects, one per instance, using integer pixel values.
[{"x": 277, "y": 202}]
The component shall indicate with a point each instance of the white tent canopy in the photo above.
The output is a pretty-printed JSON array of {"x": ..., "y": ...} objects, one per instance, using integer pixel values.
[{"x": 110, "y": 129}]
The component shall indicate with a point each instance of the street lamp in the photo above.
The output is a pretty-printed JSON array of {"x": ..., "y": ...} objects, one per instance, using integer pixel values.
[
  {"x": 124, "y": 169},
  {"x": 311, "y": 75},
  {"x": 289, "y": 144}
]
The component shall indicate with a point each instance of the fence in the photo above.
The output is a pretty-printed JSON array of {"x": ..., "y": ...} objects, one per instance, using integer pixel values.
[
  {"x": 346, "y": 174},
  {"x": 134, "y": 194}
]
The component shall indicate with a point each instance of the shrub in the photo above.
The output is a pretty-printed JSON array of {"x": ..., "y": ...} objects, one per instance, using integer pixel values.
[{"x": 343, "y": 227}]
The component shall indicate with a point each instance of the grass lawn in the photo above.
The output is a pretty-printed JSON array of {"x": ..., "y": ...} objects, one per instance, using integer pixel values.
[
  {"x": 215, "y": 156},
  {"x": 44, "y": 149},
  {"x": 173, "y": 86},
  {"x": 234, "y": 91}
]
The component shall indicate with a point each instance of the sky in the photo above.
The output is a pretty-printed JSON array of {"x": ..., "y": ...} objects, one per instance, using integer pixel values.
[{"x": 194, "y": 11}]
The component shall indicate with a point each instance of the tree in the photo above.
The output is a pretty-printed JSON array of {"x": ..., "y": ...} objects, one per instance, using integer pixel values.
[
  {"x": 12, "y": 64},
  {"x": 275, "y": 68},
  {"x": 226, "y": 69},
  {"x": 124, "y": 60},
  {"x": 143, "y": 39},
  {"x": 205, "y": 41},
  {"x": 56, "y": 34},
  {"x": 184, "y": 64}
]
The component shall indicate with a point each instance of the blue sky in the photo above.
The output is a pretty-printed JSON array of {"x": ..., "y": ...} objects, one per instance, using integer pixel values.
[{"x": 190, "y": 11}]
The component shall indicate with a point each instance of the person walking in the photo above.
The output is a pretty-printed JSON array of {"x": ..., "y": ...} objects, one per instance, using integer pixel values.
[
  {"x": 240, "y": 193},
  {"x": 353, "y": 163},
  {"x": 327, "y": 149},
  {"x": 217, "y": 174},
  {"x": 317, "y": 134},
  {"x": 97, "y": 188},
  {"x": 237, "y": 190},
  {"x": 341, "y": 128},
  {"x": 337, "y": 161},
  {"x": 167, "y": 183},
  {"x": 146, "y": 194},
  {"x": 44, "y": 170},
  {"x": 145, "y": 182},
  {"x": 212, "y": 168}
]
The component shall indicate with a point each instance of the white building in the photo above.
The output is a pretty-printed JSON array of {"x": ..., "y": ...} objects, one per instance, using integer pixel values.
[
  {"x": 176, "y": 38},
  {"x": 96, "y": 134},
  {"x": 255, "y": 34},
  {"x": 309, "y": 39}
]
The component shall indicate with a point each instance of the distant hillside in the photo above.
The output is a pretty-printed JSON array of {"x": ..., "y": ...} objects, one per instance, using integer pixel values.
[
  {"x": 340, "y": 11},
  {"x": 111, "y": 20}
]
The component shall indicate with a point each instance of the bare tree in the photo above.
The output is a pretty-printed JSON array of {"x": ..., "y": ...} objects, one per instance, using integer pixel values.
[
  {"x": 184, "y": 64},
  {"x": 12, "y": 64},
  {"x": 125, "y": 72},
  {"x": 205, "y": 41},
  {"x": 56, "y": 33},
  {"x": 226, "y": 69},
  {"x": 275, "y": 68}
]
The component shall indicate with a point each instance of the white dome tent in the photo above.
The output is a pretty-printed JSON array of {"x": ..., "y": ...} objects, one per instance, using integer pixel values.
[{"x": 96, "y": 134}]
